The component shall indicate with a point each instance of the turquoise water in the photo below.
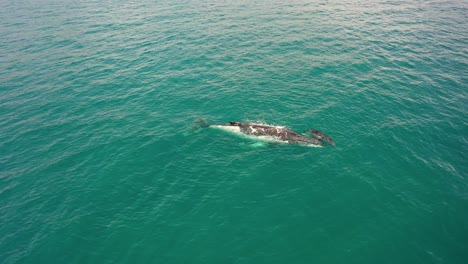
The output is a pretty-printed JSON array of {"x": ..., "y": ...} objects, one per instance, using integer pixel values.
[{"x": 101, "y": 160}]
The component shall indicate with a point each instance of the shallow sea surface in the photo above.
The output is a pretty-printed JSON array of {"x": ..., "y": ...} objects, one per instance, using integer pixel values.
[{"x": 101, "y": 160}]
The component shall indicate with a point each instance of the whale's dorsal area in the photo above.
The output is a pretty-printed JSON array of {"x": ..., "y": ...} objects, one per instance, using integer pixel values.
[{"x": 269, "y": 133}]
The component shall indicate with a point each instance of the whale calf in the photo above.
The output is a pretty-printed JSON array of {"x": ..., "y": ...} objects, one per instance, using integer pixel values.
[{"x": 271, "y": 133}]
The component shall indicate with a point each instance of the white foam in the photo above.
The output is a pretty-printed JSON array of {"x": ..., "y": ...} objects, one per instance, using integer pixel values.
[
  {"x": 312, "y": 146},
  {"x": 265, "y": 124}
]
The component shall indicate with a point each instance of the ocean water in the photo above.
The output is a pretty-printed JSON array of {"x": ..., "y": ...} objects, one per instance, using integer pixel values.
[{"x": 101, "y": 160}]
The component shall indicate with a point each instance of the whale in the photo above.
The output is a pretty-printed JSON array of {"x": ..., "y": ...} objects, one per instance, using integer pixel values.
[
  {"x": 321, "y": 136},
  {"x": 270, "y": 133}
]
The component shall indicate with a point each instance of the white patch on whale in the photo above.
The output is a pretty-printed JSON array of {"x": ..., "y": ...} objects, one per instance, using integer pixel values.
[{"x": 234, "y": 129}]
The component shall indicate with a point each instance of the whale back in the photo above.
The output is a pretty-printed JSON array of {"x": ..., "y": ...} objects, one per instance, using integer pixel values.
[
  {"x": 270, "y": 133},
  {"x": 280, "y": 133}
]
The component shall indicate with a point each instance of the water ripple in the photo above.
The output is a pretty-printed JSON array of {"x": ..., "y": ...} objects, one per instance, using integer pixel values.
[{"x": 98, "y": 162}]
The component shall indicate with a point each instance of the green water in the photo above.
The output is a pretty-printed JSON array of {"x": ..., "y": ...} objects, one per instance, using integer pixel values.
[{"x": 100, "y": 160}]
